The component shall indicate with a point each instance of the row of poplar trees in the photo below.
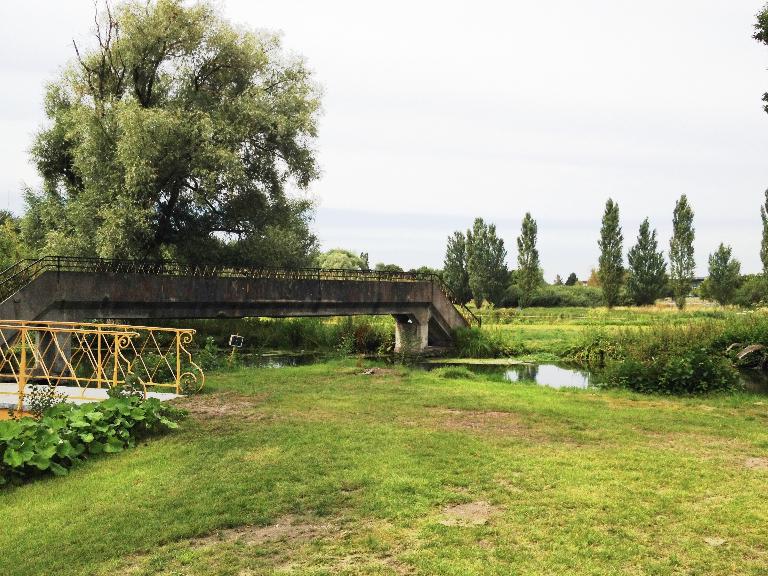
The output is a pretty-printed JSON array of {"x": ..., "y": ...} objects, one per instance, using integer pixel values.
[
  {"x": 475, "y": 262},
  {"x": 475, "y": 266},
  {"x": 646, "y": 276}
]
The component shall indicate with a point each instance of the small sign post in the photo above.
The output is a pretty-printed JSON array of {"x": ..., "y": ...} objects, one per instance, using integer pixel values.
[{"x": 236, "y": 341}]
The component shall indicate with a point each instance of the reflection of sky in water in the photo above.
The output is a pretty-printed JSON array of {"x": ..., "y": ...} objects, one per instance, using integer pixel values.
[{"x": 548, "y": 375}]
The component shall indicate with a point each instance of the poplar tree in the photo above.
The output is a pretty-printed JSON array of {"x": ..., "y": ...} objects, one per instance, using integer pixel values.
[
  {"x": 681, "y": 256},
  {"x": 764, "y": 242},
  {"x": 724, "y": 275},
  {"x": 528, "y": 268},
  {"x": 455, "y": 272},
  {"x": 647, "y": 269},
  {"x": 611, "y": 269},
  {"x": 486, "y": 263}
]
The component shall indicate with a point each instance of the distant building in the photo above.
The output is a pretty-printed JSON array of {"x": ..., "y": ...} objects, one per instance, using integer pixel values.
[{"x": 697, "y": 281}]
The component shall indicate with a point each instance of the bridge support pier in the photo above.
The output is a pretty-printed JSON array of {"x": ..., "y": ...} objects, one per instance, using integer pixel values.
[{"x": 412, "y": 331}]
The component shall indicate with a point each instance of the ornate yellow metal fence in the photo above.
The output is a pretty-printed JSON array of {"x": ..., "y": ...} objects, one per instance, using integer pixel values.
[{"x": 84, "y": 358}]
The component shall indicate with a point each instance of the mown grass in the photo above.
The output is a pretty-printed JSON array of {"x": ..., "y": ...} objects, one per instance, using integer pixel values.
[{"x": 356, "y": 473}]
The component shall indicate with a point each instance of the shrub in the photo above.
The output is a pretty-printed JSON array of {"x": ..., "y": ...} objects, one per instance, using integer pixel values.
[
  {"x": 361, "y": 334},
  {"x": 558, "y": 296},
  {"x": 753, "y": 291},
  {"x": 479, "y": 343},
  {"x": 671, "y": 358},
  {"x": 68, "y": 433},
  {"x": 693, "y": 372}
]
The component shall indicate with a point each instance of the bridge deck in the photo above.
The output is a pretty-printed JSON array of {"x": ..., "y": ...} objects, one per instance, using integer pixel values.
[{"x": 60, "y": 288}]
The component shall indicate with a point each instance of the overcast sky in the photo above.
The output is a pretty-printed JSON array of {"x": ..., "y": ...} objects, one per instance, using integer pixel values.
[{"x": 436, "y": 112}]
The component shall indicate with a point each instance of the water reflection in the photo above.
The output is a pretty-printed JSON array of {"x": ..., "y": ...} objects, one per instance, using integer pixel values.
[
  {"x": 552, "y": 375},
  {"x": 555, "y": 376},
  {"x": 548, "y": 375},
  {"x": 277, "y": 360}
]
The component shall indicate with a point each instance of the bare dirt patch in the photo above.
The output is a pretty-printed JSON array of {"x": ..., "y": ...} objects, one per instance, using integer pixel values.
[
  {"x": 387, "y": 563},
  {"x": 639, "y": 403},
  {"x": 470, "y": 514},
  {"x": 714, "y": 541},
  {"x": 695, "y": 444},
  {"x": 756, "y": 463},
  {"x": 287, "y": 528},
  {"x": 217, "y": 406},
  {"x": 481, "y": 421}
]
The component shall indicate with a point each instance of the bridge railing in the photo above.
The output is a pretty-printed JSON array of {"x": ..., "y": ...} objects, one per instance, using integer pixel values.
[
  {"x": 45, "y": 354},
  {"x": 15, "y": 277},
  {"x": 81, "y": 358}
]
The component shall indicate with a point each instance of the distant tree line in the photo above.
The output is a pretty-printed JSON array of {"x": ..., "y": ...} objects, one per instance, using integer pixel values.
[{"x": 475, "y": 267}]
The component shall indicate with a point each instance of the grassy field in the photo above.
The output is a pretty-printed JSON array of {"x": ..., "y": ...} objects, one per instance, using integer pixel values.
[
  {"x": 548, "y": 334},
  {"x": 325, "y": 469}
]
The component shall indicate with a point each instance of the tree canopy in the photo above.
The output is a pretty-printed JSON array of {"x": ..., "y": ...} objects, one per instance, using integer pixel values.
[
  {"x": 529, "y": 276},
  {"x": 12, "y": 248},
  {"x": 382, "y": 267},
  {"x": 340, "y": 259},
  {"x": 177, "y": 135},
  {"x": 611, "y": 269},
  {"x": 681, "y": 255},
  {"x": 764, "y": 238},
  {"x": 455, "y": 274},
  {"x": 647, "y": 268},
  {"x": 486, "y": 263},
  {"x": 724, "y": 275}
]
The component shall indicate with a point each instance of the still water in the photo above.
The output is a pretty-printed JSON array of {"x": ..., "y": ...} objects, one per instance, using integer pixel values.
[
  {"x": 551, "y": 375},
  {"x": 555, "y": 376}
]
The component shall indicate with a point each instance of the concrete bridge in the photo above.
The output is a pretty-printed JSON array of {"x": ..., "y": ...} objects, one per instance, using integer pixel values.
[{"x": 77, "y": 289}]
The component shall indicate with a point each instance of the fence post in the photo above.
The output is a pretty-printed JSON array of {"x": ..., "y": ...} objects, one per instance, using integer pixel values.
[
  {"x": 178, "y": 362},
  {"x": 117, "y": 361},
  {"x": 22, "y": 371},
  {"x": 99, "y": 367}
]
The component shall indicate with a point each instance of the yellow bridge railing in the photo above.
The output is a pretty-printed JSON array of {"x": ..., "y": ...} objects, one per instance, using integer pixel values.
[{"x": 84, "y": 357}]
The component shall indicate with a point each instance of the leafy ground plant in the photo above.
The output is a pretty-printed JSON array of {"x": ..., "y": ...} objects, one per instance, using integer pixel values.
[{"x": 68, "y": 433}]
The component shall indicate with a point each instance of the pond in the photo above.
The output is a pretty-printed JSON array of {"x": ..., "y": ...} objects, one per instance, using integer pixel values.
[
  {"x": 279, "y": 359},
  {"x": 551, "y": 375},
  {"x": 558, "y": 376}
]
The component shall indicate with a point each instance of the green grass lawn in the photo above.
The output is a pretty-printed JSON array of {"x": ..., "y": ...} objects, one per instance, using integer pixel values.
[{"x": 324, "y": 470}]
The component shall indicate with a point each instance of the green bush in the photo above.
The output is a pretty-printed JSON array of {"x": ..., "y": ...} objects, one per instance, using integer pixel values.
[
  {"x": 753, "y": 291},
  {"x": 671, "y": 358},
  {"x": 358, "y": 334},
  {"x": 557, "y": 296},
  {"x": 480, "y": 343},
  {"x": 696, "y": 371},
  {"x": 68, "y": 433}
]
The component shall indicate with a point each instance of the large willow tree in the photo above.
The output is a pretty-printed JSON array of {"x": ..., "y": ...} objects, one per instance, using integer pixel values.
[{"x": 177, "y": 135}]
